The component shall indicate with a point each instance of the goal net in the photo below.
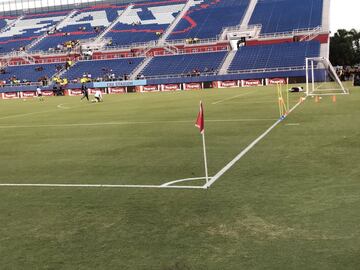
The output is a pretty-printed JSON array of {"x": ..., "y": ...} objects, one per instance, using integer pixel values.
[{"x": 321, "y": 78}]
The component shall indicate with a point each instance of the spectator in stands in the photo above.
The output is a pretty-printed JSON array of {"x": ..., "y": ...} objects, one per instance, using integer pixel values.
[
  {"x": 68, "y": 64},
  {"x": 39, "y": 68},
  {"x": 2, "y": 70}
]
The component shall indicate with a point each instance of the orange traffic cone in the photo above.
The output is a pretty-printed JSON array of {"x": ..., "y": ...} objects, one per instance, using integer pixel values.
[{"x": 334, "y": 99}]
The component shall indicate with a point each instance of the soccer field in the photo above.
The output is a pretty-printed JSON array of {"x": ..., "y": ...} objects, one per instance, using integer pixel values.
[{"x": 289, "y": 203}]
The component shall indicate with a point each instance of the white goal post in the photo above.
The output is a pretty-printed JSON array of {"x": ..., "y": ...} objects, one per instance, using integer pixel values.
[{"x": 321, "y": 78}]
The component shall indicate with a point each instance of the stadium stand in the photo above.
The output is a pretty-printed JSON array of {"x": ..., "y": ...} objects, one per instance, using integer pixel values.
[
  {"x": 145, "y": 22},
  {"x": 28, "y": 73},
  {"x": 58, "y": 32},
  {"x": 103, "y": 69},
  {"x": 285, "y": 15},
  {"x": 83, "y": 24},
  {"x": 209, "y": 17},
  {"x": 186, "y": 64},
  {"x": 274, "y": 56},
  {"x": 28, "y": 29}
]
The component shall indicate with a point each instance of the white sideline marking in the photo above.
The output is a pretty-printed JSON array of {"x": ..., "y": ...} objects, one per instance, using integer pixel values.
[
  {"x": 100, "y": 186},
  {"x": 229, "y": 98},
  {"x": 293, "y": 124},
  {"x": 126, "y": 123},
  {"x": 245, "y": 151}
]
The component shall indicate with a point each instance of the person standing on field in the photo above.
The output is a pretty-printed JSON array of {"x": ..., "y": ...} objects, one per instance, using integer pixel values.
[
  {"x": 85, "y": 92},
  {"x": 39, "y": 93}
]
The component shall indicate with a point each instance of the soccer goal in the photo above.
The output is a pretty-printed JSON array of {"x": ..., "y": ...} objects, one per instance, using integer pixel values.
[{"x": 321, "y": 78}]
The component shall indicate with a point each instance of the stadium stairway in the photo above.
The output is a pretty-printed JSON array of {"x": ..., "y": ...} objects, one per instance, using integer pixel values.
[
  {"x": 227, "y": 62},
  {"x": 115, "y": 22},
  {"x": 172, "y": 26},
  {"x": 136, "y": 72},
  {"x": 248, "y": 13}
]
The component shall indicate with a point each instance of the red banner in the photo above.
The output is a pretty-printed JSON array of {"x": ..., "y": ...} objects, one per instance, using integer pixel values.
[
  {"x": 28, "y": 94},
  {"x": 172, "y": 87},
  {"x": 226, "y": 84},
  {"x": 248, "y": 83},
  {"x": 47, "y": 93},
  {"x": 117, "y": 90},
  {"x": 151, "y": 88},
  {"x": 76, "y": 92},
  {"x": 276, "y": 81},
  {"x": 10, "y": 95},
  {"x": 192, "y": 86}
]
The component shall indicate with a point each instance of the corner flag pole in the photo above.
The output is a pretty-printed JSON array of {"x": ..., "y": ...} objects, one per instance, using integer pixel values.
[
  {"x": 205, "y": 158},
  {"x": 200, "y": 123}
]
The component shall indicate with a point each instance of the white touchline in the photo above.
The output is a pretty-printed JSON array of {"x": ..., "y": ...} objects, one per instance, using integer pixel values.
[
  {"x": 127, "y": 123},
  {"x": 229, "y": 98},
  {"x": 100, "y": 186},
  {"x": 245, "y": 151}
]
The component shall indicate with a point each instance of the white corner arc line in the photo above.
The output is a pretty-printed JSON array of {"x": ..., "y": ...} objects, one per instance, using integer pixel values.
[
  {"x": 245, "y": 151},
  {"x": 183, "y": 180}
]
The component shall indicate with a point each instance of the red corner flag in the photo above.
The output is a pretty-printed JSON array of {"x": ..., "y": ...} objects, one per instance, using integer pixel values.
[{"x": 200, "y": 120}]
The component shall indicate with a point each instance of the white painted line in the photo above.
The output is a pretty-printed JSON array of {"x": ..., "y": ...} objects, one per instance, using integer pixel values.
[
  {"x": 245, "y": 151},
  {"x": 61, "y": 106},
  {"x": 127, "y": 123},
  {"x": 100, "y": 186},
  {"x": 230, "y": 98},
  {"x": 183, "y": 180},
  {"x": 292, "y": 124}
]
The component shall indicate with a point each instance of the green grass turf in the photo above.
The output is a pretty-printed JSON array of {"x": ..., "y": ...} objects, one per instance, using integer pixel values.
[{"x": 290, "y": 203}]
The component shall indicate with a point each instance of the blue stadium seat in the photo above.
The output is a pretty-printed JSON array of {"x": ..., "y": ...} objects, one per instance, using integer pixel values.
[
  {"x": 145, "y": 22},
  {"x": 81, "y": 26},
  {"x": 99, "y": 68},
  {"x": 29, "y": 72},
  {"x": 184, "y": 64},
  {"x": 287, "y": 15},
  {"x": 206, "y": 20},
  {"x": 274, "y": 56},
  {"x": 28, "y": 29}
]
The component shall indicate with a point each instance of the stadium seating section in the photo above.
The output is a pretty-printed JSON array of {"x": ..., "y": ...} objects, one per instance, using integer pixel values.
[
  {"x": 187, "y": 64},
  {"x": 30, "y": 73},
  {"x": 274, "y": 56},
  {"x": 28, "y": 29},
  {"x": 209, "y": 17},
  {"x": 147, "y": 21},
  {"x": 285, "y": 15},
  {"x": 101, "y": 68}
]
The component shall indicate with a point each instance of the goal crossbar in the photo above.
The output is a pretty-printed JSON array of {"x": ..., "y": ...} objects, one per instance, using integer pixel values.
[{"x": 313, "y": 69}]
